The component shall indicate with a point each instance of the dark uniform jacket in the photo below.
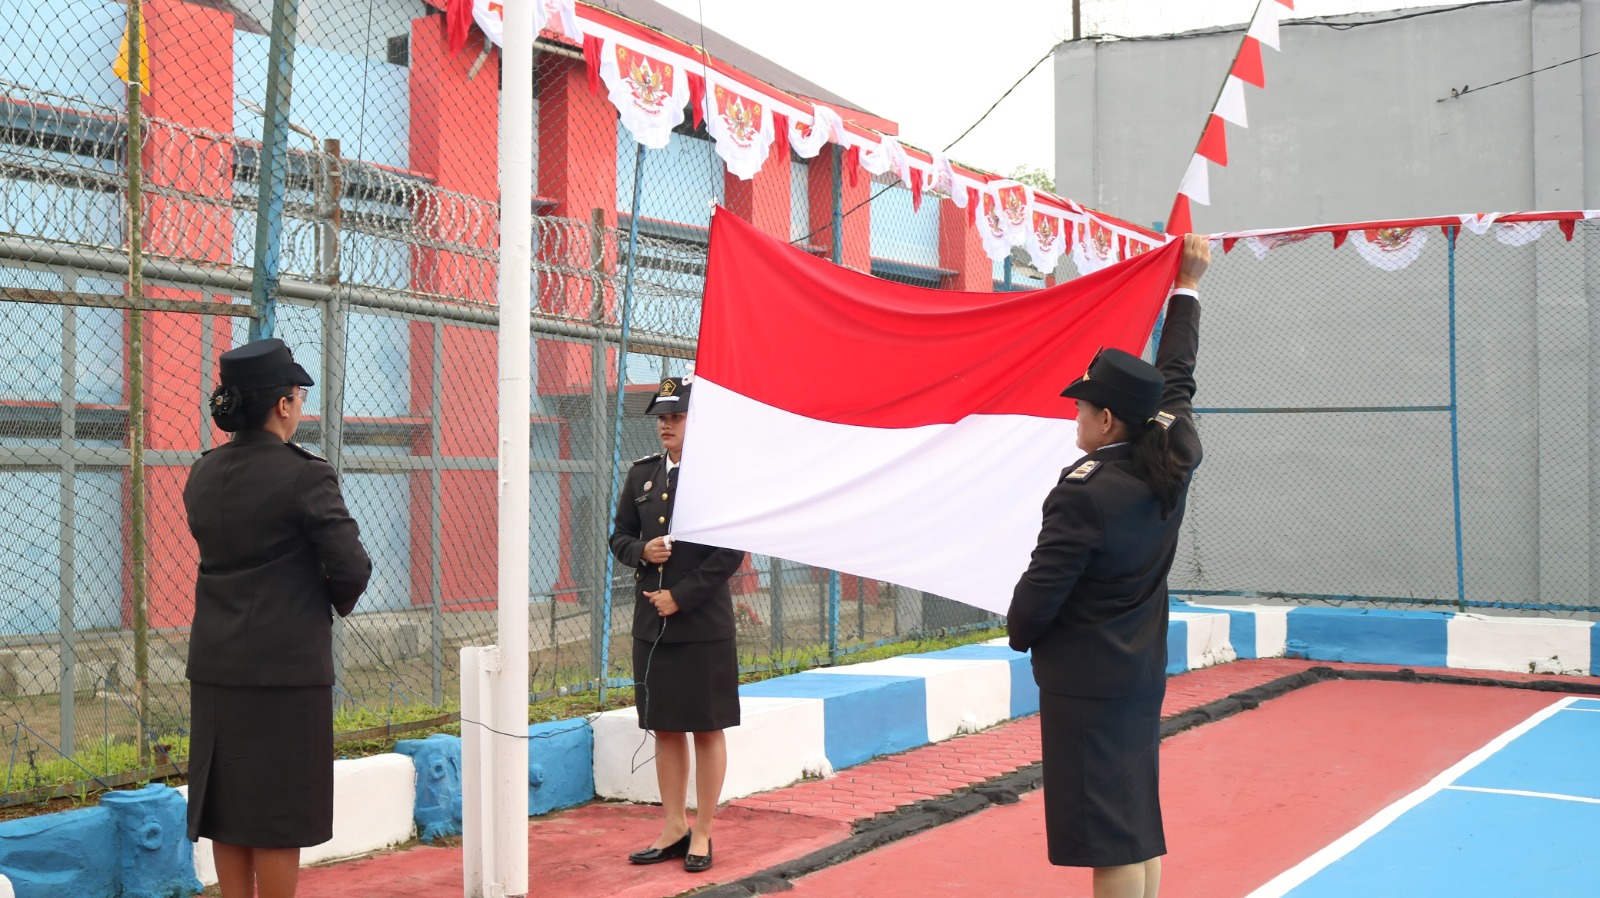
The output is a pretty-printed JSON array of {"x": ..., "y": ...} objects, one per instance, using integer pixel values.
[
  {"x": 279, "y": 553},
  {"x": 1093, "y": 603},
  {"x": 697, "y": 575}
]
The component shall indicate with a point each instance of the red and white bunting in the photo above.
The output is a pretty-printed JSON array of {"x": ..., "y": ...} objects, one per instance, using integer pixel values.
[
  {"x": 942, "y": 180},
  {"x": 650, "y": 77},
  {"x": 1045, "y": 243},
  {"x": 1265, "y": 244},
  {"x": 807, "y": 138},
  {"x": 1230, "y": 107},
  {"x": 740, "y": 122},
  {"x": 888, "y": 157},
  {"x": 1521, "y": 233},
  {"x": 1390, "y": 249},
  {"x": 649, "y": 92},
  {"x": 1479, "y": 222},
  {"x": 1096, "y": 247},
  {"x": 560, "y": 16},
  {"x": 991, "y": 227}
]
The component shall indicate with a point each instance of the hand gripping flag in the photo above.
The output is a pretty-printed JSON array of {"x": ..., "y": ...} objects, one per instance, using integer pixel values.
[{"x": 889, "y": 431}]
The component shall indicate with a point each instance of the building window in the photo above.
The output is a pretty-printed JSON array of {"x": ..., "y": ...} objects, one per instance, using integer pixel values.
[{"x": 400, "y": 50}]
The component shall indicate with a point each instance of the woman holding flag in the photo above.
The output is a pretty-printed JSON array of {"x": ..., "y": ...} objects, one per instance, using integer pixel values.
[{"x": 1092, "y": 606}]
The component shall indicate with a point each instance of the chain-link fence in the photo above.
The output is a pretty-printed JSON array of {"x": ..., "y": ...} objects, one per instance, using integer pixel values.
[
  {"x": 384, "y": 243},
  {"x": 1412, "y": 437},
  {"x": 1406, "y": 420}
]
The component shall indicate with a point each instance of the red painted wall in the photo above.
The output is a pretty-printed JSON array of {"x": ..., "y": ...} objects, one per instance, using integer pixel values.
[
  {"x": 961, "y": 251},
  {"x": 190, "y": 49}
]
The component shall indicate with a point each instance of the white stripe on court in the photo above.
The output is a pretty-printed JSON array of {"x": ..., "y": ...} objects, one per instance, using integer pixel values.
[
  {"x": 1311, "y": 866},
  {"x": 1554, "y": 795},
  {"x": 1590, "y": 710}
]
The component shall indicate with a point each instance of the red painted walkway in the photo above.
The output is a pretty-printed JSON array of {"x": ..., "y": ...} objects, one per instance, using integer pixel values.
[
  {"x": 1226, "y": 784},
  {"x": 1244, "y": 798}
]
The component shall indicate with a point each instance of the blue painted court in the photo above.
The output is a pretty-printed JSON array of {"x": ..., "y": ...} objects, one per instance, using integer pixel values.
[{"x": 1521, "y": 816}]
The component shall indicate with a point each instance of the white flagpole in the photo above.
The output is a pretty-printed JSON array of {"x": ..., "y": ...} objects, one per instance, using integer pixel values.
[{"x": 508, "y": 784}]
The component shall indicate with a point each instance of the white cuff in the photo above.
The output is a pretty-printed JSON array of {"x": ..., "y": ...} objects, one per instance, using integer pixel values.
[{"x": 1185, "y": 291}]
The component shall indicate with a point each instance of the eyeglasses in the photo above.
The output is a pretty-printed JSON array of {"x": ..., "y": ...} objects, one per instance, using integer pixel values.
[{"x": 303, "y": 392}]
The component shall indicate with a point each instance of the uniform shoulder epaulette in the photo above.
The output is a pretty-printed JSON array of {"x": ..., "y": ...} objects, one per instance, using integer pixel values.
[
  {"x": 304, "y": 451},
  {"x": 652, "y": 457},
  {"x": 206, "y": 452},
  {"x": 1082, "y": 472}
]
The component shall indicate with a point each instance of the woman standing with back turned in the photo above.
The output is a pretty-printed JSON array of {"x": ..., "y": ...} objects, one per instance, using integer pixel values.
[
  {"x": 279, "y": 554},
  {"x": 1092, "y": 605}
]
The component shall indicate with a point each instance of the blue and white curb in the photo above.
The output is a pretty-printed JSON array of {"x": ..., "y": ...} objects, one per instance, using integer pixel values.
[{"x": 813, "y": 723}]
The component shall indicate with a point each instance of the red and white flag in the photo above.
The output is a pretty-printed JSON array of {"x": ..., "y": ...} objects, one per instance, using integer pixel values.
[{"x": 890, "y": 431}]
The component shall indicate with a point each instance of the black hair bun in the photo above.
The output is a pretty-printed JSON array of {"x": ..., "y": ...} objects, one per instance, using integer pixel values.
[{"x": 227, "y": 408}]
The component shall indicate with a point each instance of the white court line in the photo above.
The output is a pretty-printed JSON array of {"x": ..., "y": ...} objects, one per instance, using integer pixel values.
[
  {"x": 1554, "y": 795},
  {"x": 1311, "y": 866},
  {"x": 1590, "y": 710}
]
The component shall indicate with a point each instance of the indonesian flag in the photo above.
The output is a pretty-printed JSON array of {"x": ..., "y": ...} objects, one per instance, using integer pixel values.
[{"x": 889, "y": 431}]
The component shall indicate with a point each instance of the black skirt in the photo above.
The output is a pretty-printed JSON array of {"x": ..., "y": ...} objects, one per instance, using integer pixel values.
[
  {"x": 687, "y": 687},
  {"x": 1102, "y": 783},
  {"x": 261, "y": 765}
]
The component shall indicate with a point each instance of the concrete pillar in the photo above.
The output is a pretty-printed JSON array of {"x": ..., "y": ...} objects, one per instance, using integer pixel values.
[
  {"x": 1563, "y": 325},
  {"x": 1077, "y": 121},
  {"x": 1590, "y": 72}
]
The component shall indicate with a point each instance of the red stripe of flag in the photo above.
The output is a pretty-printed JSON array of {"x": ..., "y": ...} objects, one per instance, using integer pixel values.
[
  {"x": 1288, "y": 3},
  {"x": 1247, "y": 67},
  {"x": 1214, "y": 142},
  {"x": 852, "y": 161},
  {"x": 888, "y": 355},
  {"x": 972, "y": 206},
  {"x": 916, "y": 190}
]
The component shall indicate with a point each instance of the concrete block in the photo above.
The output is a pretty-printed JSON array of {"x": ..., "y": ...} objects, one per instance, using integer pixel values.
[
  {"x": 778, "y": 741},
  {"x": 1526, "y": 644},
  {"x": 1207, "y": 638},
  {"x": 560, "y": 765},
  {"x": 1369, "y": 636},
  {"x": 864, "y": 716},
  {"x": 373, "y": 802},
  {"x": 1024, "y": 691},
  {"x": 964, "y": 695}
]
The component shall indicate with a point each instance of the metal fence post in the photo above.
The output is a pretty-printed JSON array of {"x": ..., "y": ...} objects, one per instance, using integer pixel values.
[
  {"x": 273, "y": 164},
  {"x": 335, "y": 321},
  {"x": 330, "y": 193},
  {"x": 623, "y": 315},
  {"x": 436, "y": 515},
  {"x": 601, "y": 436},
  {"x": 67, "y": 534},
  {"x": 137, "y": 548},
  {"x": 775, "y": 612},
  {"x": 1455, "y": 418}
]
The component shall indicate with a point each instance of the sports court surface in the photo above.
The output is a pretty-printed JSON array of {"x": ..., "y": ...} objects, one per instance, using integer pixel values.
[{"x": 1339, "y": 787}]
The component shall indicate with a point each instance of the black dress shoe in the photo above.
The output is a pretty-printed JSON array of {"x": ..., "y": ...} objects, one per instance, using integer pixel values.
[
  {"x": 676, "y": 850},
  {"x": 697, "y": 863}
]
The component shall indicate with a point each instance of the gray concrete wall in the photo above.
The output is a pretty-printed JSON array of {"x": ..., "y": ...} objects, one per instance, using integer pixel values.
[{"x": 1351, "y": 127}]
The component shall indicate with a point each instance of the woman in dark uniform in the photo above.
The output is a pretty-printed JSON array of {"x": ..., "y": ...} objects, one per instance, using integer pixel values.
[
  {"x": 685, "y": 658},
  {"x": 279, "y": 554},
  {"x": 1092, "y": 605}
]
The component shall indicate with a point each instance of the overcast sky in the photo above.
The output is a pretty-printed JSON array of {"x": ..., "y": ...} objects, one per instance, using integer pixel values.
[{"x": 934, "y": 66}]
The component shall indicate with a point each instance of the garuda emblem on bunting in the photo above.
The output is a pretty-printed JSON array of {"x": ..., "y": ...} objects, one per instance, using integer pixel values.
[
  {"x": 1044, "y": 241},
  {"x": 1014, "y": 203},
  {"x": 649, "y": 93},
  {"x": 741, "y": 126},
  {"x": 992, "y": 229},
  {"x": 1095, "y": 249},
  {"x": 1265, "y": 244},
  {"x": 1391, "y": 249}
]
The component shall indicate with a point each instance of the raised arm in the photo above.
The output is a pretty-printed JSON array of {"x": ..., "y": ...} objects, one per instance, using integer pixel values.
[{"x": 1180, "y": 334}]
